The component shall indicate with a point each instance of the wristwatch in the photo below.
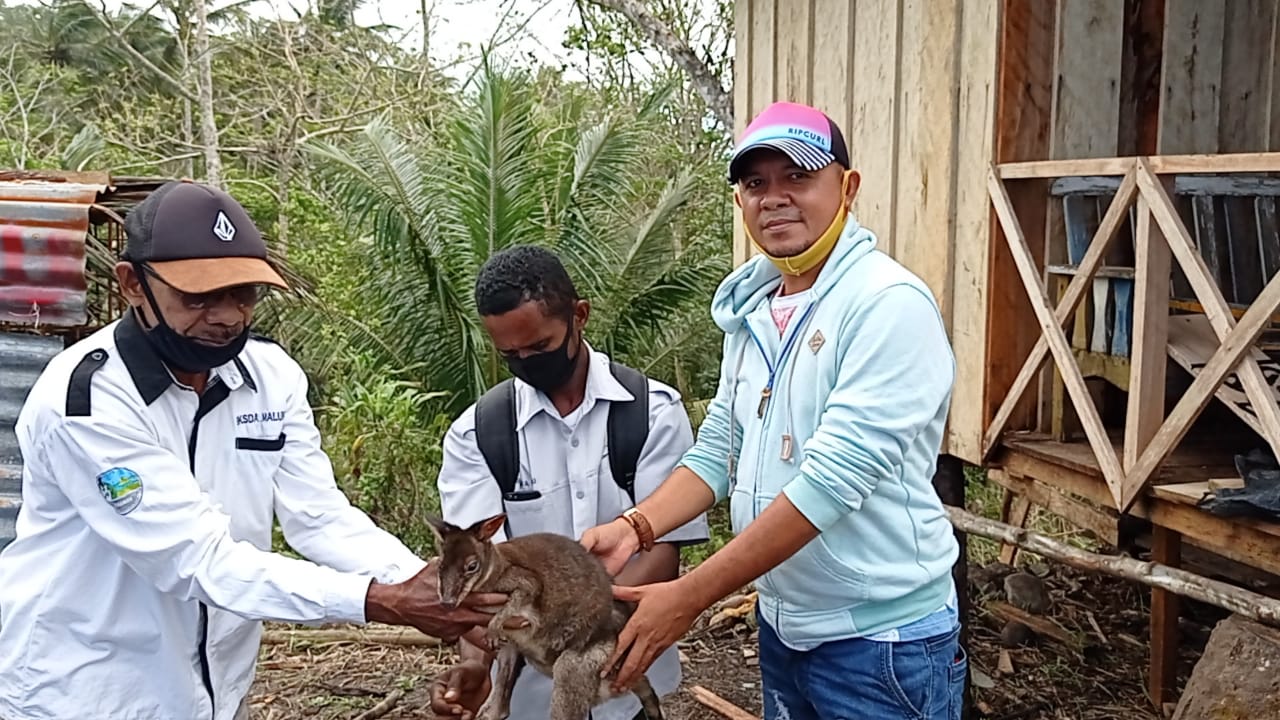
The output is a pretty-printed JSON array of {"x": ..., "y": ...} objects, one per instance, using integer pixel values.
[{"x": 639, "y": 523}]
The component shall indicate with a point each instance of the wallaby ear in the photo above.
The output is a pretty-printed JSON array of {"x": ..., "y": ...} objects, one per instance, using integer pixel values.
[
  {"x": 489, "y": 527},
  {"x": 438, "y": 526}
]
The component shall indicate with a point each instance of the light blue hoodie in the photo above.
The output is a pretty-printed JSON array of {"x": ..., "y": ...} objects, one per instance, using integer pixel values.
[{"x": 866, "y": 385}]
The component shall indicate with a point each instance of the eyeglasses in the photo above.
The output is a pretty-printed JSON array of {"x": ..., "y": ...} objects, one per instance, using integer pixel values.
[{"x": 243, "y": 295}]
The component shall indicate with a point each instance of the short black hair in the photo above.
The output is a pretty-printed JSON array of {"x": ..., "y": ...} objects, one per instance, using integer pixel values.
[{"x": 518, "y": 274}]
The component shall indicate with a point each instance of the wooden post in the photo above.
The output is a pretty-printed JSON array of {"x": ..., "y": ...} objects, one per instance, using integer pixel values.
[
  {"x": 949, "y": 483},
  {"x": 1166, "y": 549},
  {"x": 1019, "y": 509},
  {"x": 1024, "y": 101},
  {"x": 1150, "y": 346}
]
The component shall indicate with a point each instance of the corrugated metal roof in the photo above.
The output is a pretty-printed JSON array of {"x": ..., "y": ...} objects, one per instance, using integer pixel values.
[
  {"x": 43, "y": 222},
  {"x": 22, "y": 358}
]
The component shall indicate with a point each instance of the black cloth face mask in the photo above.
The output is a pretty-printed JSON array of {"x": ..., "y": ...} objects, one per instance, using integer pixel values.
[
  {"x": 181, "y": 352},
  {"x": 547, "y": 371}
]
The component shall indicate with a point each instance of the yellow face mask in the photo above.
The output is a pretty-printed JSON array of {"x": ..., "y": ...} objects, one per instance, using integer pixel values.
[{"x": 813, "y": 255}]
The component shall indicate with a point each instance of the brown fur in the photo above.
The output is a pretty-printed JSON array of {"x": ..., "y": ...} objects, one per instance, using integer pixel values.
[{"x": 565, "y": 594}]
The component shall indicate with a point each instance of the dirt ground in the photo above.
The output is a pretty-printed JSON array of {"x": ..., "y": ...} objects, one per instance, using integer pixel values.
[
  {"x": 1095, "y": 670},
  {"x": 342, "y": 680}
]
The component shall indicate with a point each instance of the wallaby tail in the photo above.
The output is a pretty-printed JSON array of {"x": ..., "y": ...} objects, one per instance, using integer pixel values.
[{"x": 648, "y": 699}]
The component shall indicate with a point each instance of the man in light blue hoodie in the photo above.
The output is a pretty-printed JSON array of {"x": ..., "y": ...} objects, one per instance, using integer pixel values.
[{"x": 824, "y": 433}]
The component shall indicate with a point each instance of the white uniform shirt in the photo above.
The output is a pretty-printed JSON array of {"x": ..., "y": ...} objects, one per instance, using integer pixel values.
[
  {"x": 565, "y": 459},
  {"x": 139, "y": 520}
]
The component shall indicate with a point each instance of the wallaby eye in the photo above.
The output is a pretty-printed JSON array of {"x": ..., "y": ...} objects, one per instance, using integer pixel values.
[{"x": 473, "y": 566}]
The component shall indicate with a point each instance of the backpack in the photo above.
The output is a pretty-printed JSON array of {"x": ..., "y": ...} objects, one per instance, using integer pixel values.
[{"x": 628, "y": 429}]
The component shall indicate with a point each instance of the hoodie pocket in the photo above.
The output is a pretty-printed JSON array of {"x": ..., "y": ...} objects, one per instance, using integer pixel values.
[{"x": 816, "y": 578}]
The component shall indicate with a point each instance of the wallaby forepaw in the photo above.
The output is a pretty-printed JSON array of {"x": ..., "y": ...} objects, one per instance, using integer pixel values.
[{"x": 493, "y": 709}]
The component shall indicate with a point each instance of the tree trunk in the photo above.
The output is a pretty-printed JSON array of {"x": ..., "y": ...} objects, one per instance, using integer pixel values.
[
  {"x": 426, "y": 33},
  {"x": 705, "y": 81},
  {"x": 189, "y": 137},
  {"x": 284, "y": 176},
  {"x": 208, "y": 123}
]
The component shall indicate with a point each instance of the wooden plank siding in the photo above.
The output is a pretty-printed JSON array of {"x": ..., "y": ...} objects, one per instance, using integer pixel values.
[
  {"x": 1191, "y": 84},
  {"x": 904, "y": 79},
  {"x": 1274, "y": 80},
  {"x": 972, "y": 233}
]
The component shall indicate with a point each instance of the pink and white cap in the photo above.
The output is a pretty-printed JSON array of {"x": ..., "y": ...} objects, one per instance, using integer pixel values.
[{"x": 803, "y": 133}]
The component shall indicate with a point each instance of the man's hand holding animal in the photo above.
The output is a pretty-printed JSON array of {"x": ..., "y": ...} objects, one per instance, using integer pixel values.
[
  {"x": 416, "y": 602},
  {"x": 663, "y": 615},
  {"x": 460, "y": 691}
]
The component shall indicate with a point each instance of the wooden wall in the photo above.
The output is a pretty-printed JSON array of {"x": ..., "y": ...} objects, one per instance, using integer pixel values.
[
  {"x": 1223, "y": 91},
  {"x": 912, "y": 85}
]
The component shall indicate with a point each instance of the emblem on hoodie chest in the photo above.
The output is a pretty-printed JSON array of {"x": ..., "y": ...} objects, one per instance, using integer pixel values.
[{"x": 816, "y": 341}]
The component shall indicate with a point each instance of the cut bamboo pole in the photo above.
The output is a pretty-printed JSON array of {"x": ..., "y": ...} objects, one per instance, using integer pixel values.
[
  {"x": 1228, "y": 597},
  {"x": 390, "y": 636}
]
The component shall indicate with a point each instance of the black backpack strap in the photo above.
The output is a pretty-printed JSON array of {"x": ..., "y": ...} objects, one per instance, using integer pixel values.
[
  {"x": 496, "y": 433},
  {"x": 628, "y": 427}
]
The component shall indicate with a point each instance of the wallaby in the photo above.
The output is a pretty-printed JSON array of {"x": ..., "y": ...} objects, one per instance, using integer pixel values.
[{"x": 566, "y": 596}]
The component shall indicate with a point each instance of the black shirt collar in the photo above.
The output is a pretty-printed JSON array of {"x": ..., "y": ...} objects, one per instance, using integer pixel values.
[{"x": 148, "y": 371}]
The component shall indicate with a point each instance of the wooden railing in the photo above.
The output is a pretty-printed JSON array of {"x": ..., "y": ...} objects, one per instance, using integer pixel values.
[{"x": 1160, "y": 236}]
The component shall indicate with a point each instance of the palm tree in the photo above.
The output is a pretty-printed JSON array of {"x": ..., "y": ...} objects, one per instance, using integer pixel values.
[{"x": 529, "y": 160}]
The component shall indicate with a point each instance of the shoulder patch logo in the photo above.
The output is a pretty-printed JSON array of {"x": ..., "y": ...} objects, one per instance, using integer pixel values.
[
  {"x": 122, "y": 488},
  {"x": 223, "y": 228}
]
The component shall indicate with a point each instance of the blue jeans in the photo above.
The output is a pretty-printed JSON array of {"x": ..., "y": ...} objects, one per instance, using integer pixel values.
[{"x": 863, "y": 679}]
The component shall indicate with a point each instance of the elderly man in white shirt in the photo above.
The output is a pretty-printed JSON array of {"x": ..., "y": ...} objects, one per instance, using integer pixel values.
[
  {"x": 547, "y": 462},
  {"x": 157, "y": 453}
]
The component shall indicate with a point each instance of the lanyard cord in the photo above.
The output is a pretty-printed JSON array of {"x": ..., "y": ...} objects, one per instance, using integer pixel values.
[
  {"x": 782, "y": 358},
  {"x": 790, "y": 380}
]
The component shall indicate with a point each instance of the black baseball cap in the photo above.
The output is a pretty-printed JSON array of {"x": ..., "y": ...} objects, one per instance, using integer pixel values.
[{"x": 198, "y": 239}]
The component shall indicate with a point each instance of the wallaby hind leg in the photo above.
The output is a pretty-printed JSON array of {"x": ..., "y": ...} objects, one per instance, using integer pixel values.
[
  {"x": 577, "y": 677},
  {"x": 498, "y": 705},
  {"x": 648, "y": 699}
]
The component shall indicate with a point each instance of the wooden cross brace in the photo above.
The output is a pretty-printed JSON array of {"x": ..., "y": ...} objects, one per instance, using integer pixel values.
[
  {"x": 1236, "y": 339},
  {"x": 1235, "y": 342},
  {"x": 1051, "y": 321},
  {"x": 1075, "y": 291}
]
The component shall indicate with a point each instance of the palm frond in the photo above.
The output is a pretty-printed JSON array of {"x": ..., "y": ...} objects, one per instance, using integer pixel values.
[{"x": 86, "y": 145}]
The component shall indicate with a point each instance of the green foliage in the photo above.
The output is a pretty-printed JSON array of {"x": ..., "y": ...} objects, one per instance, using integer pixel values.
[
  {"x": 528, "y": 160},
  {"x": 384, "y": 184},
  {"x": 721, "y": 532},
  {"x": 386, "y": 456}
]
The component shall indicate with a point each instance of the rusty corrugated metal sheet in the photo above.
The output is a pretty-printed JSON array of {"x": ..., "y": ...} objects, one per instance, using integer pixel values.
[
  {"x": 22, "y": 358},
  {"x": 43, "y": 222}
]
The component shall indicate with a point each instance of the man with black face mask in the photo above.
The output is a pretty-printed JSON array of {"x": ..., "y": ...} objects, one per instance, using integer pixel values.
[
  {"x": 572, "y": 441},
  {"x": 156, "y": 453}
]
